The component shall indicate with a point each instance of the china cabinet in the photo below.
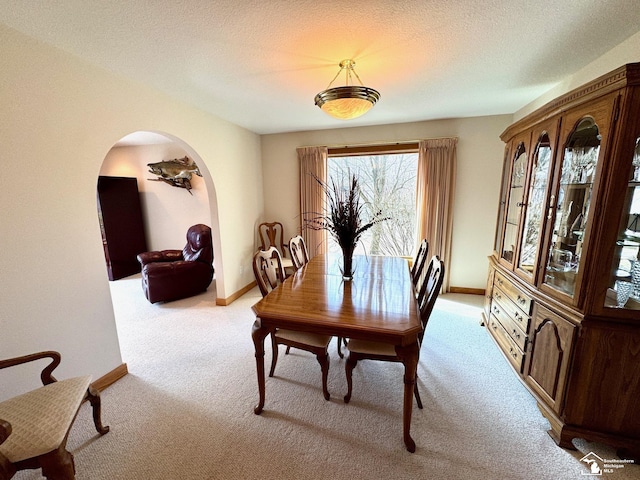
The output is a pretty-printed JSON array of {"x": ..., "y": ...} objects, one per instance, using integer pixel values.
[{"x": 563, "y": 291}]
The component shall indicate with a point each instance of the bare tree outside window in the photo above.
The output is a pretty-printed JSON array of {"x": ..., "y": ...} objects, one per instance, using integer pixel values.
[{"x": 387, "y": 184}]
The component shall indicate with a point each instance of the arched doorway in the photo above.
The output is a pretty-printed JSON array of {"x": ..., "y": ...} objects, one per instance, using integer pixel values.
[{"x": 167, "y": 211}]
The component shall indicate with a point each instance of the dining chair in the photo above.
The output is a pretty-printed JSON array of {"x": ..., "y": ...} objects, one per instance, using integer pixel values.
[
  {"x": 300, "y": 256},
  {"x": 367, "y": 350},
  {"x": 418, "y": 263},
  {"x": 269, "y": 273},
  {"x": 34, "y": 426},
  {"x": 272, "y": 235},
  {"x": 298, "y": 251}
]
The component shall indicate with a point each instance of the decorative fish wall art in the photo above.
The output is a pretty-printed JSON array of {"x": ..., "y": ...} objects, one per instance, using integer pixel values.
[{"x": 176, "y": 172}]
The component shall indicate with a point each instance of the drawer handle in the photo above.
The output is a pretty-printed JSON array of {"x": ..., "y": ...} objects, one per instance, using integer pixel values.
[
  {"x": 518, "y": 317},
  {"x": 522, "y": 300},
  {"x": 496, "y": 310},
  {"x": 499, "y": 281},
  {"x": 513, "y": 354},
  {"x": 516, "y": 334},
  {"x": 498, "y": 296}
]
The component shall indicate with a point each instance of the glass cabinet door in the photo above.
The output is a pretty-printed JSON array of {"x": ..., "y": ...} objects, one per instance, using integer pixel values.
[
  {"x": 624, "y": 286},
  {"x": 497, "y": 245},
  {"x": 535, "y": 206},
  {"x": 577, "y": 173},
  {"x": 514, "y": 203}
]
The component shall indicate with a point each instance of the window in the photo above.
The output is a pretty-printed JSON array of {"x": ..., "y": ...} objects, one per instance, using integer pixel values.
[{"x": 387, "y": 177}]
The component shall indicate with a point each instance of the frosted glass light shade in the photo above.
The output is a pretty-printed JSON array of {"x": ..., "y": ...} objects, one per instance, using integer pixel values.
[{"x": 347, "y": 102}]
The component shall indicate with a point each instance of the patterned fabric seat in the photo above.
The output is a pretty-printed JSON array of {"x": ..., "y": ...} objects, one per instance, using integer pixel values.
[
  {"x": 40, "y": 419},
  {"x": 34, "y": 426}
]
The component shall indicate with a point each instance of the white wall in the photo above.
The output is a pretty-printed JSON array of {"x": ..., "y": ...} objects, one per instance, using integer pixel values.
[
  {"x": 626, "y": 52},
  {"x": 167, "y": 211},
  {"x": 59, "y": 117},
  {"x": 480, "y": 153}
]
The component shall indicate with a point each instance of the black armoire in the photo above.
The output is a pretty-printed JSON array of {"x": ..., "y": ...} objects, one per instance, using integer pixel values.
[{"x": 121, "y": 225}]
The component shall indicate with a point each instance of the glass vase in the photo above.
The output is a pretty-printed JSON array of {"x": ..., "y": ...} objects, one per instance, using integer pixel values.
[
  {"x": 623, "y": 292},
  {"x": 347, "y": 263},
  {"x": 635, "y": 278}
]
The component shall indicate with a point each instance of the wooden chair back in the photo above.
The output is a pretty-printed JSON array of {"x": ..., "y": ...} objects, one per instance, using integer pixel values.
[
  {"x": 267, "y": 268},
  {"x": 430, "y": 290},
  {"x": 272, "y": 235},
  {"x": 418, "y": 263},
  {"x": 298, "y": 250}
]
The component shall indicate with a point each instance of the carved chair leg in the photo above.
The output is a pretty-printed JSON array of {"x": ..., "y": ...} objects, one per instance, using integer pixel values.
[
  {"x": 417, "y": 393},
  {"x": 58, "y": 465},
  {"x": 7, "y": 469},
  {"x": 340, "y": 354},
  {"x": 286, "y": 352},
  {"x": 274, "y": 354},
  {"x": 348, "y": 368},
  {"x": 96, "y": 403},
  {"x": 323, "y": 360}
]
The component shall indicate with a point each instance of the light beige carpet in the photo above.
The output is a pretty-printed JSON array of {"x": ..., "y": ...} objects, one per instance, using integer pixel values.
[{"x": 185, "y": 411}]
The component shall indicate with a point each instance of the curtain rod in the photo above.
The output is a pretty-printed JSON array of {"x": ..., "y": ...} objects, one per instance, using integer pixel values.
[{"x": 372, "y": 144}]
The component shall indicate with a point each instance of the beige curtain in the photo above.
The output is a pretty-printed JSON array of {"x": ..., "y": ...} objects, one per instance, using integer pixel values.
[
  {"x": 436, "y": 185},
  {"x": 313, "y": 161}
]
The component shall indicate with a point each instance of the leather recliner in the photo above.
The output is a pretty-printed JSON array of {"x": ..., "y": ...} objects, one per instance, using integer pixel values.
[{"x": 173, "y": 274}]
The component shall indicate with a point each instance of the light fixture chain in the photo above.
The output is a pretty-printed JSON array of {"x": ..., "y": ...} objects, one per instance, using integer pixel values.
[
  {"x": 347, "y": 77},
  {"x": 334, "y": 78},
  {"x": 356, "y": 74}
]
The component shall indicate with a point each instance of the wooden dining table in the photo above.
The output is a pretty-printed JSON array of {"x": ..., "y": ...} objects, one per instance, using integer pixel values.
[{"x": 377, "y": 304}]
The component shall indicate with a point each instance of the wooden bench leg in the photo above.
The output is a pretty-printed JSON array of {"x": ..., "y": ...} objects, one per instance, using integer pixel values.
[
  {"x": 94, "y": 398},
  {"x": 58, "y": 465}
]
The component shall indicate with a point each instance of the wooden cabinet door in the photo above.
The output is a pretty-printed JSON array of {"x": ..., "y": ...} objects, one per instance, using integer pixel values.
[
  {"x": 518, "y": 169},
  {"x": 582, "y": 151},
  {"x": 122, "y": 225},
  {"x": 604, "y": 387},
  {"x": 543, "y": 140},
  {"x": 506, "y": 168},
  {"x": 551, "y": 342}
]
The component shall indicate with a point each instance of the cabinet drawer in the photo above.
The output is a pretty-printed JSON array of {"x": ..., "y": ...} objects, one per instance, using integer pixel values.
[
  {"x": 510, "y": 325},
  {"x": 514, "y": 293},
  {"x": 515, "y": 313},
  {"x": 508, "y": 346}
]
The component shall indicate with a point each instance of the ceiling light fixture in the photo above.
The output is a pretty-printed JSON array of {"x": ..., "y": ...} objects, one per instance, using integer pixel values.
[{"x": 349, "y": 101}]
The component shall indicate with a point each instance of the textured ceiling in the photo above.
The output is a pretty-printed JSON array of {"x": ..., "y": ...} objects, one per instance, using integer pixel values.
[{"x": 260, "y": 63}]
